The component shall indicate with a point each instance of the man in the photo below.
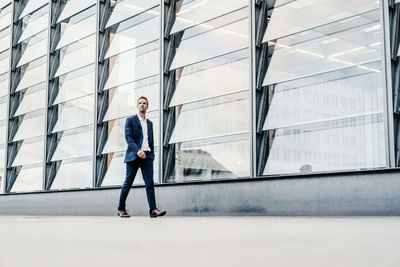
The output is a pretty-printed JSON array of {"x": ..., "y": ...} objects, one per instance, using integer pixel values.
[{"x": 139, "y": 154}]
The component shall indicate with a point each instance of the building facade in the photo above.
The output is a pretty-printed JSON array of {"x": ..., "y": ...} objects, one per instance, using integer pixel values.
[{"x": 236, "y": 89}]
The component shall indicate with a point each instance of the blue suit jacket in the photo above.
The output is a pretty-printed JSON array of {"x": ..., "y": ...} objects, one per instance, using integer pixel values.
[{"x": 134, "y": 138}]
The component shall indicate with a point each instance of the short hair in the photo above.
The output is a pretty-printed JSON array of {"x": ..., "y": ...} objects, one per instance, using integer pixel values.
[{"x": 143, "y": 97}]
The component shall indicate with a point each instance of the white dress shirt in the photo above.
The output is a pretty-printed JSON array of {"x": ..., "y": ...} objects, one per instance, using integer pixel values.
[{"x": 145, "y": 144}]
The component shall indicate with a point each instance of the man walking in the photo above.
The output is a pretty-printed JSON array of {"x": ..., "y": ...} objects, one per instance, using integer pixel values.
[{"x": 139, "y": 154}]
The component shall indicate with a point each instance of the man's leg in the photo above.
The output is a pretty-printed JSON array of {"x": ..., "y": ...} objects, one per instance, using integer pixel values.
[
  {"x": 131, "y": 170},
  {"x": 148, "y": 172}
]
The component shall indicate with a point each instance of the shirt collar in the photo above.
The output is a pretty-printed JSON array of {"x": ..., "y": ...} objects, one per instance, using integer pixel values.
[{"x": 140, "y": 118}]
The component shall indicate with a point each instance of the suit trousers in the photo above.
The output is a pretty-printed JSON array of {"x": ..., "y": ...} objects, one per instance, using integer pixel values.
[{"x": 146, "y": 166}]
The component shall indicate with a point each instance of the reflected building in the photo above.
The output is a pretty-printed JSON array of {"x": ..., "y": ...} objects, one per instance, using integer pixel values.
[{"x": 237, "y": 89}]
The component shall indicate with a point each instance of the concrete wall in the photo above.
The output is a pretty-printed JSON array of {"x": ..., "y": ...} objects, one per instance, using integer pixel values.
[{"x": 342, "y": 194}]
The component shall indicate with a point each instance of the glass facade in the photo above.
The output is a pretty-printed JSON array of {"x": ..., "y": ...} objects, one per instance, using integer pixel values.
[{"x": 236, "y": 89}]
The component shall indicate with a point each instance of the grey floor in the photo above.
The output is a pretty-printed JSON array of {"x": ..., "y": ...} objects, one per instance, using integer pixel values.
[{"x": 199, "y": 241}]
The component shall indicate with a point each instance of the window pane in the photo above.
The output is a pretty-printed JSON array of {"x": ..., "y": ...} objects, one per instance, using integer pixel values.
[
  {"x": 4, "y": 62},
  {"x": 5, "y": 17},
  {"x": 326, "y": 97},
  {"x": 132, "y": 66},
  {"x": 285, "y": 20},
  {"x": 203, "y": 81},
  {"x": 73, "y": 175},
  {"x": 134, "y": 36},
  {"x": 228, "y": 115},
  {"x": 75, "y": 84},
  {"x": 32, "y": 6},
  {"x": 213, "y": 159},
  {"x": 73, "y": 7},
  {"x": 195, "y": 12},
  {"x": 35, "y": 23},
  {"x": 75, "y": 114},
  {"x": 123, "y": 100},
  {"x": 3, "y": 3},
  {"x": 129, "y": 8},
  {"x": 3, "y": 108},
  {"x": 75, "y": 143},
  {"x": 34, "y": 99},
  {"x": 77, "y": 55},
  {"x": 352, "y": 47},
  {"x": 31, "y": 126},
  {"x": 223, "y": 40},
  {"x": 28, "y": 179},
  {"x": 78, "y": 27},
  {"x": 5, "y": 39},
  {"x": 31, "y": 151},
  {"x": 2, "y": 135},
  {"x": 35, "y": 73},
  {"x": 2, "y": 162},
  {"x": 3, "y": 85},
  {"x": 36, "y": 47},
  {"x": 348, "y": 144}
]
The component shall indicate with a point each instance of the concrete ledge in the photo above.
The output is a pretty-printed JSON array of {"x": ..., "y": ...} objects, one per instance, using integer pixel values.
[{"x": 368, "y": 193}]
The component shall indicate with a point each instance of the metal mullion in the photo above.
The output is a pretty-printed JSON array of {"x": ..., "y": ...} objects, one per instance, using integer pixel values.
[
  {"x": 8, "y": 100},
  {"x": 161, "y": 98},
  {"x": 95, "y": 95},
  {"x": 46, "y": 105},
  {"x": 388, "y": 97},
  {"x": 252, "y": 84}
]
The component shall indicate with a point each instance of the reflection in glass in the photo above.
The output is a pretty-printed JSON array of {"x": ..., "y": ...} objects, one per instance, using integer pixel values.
[
  {"x": 75, "y": 113},
  {"x": 35, "y": 73},
  {"x": 32, "y": 125},
  {"x": 73, "y": 7},
  {"x": 32, "y": 6},
  {"x": 223, "y": 40},
  {"x": 195, "y": 12},
  {"x": 5, "y": 17},
  {"x": 31, "y": 152},
  {"x": 34, "y": 99},
  {"x": 75, "y": 143},
  {"x": 75, "y": 174},
  {"x": 34, "y": 23},
  {"x": 5, "y": 39},
  {"x": 215, "y": 117},
  {"x": 29, "y": 179}
]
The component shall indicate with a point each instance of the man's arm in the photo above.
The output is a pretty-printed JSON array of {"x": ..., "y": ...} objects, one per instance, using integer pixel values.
[{"x": 129, "y": 136}]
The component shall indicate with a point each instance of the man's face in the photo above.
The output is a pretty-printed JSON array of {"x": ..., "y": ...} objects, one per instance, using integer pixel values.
[{"x": 142, "y": 105}]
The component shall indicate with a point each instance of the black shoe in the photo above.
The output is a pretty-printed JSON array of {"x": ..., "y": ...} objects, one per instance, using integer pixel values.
[
  {"x": 123, "y": 214},
  {"x": 157, "y": 213}
]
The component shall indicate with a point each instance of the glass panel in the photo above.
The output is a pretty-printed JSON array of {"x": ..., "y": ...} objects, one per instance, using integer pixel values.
[
  {"x": 35, "y": 48},
  {"x": 215, "y": 117},
  {"x": 122, "y": 100},
  {"x": 78, "y": 27},
  {"x": 116, "y": 170},
  {"x": 31, "y": 151},
  {"x": 201, "y": 81},
  {"x": 5, "y": 62},
  {"x": 2, "y": 134},
  {"x": 132, "y": 66},
  {"x": 28, "y": 179},
  {"x": 223, "y": 40},
  {"x": 32, "y": 126},
  {"x": 73, "y": 7},
  {"x": 77, "y": 55},
  {"x": 34, "y": 99},
  {"x": 116, "y": 139},
  {"x": 32, "y": 6},
  {"x": 129, "y": 8},
  {"x": 348, "y": 144},
  {"x": 2, "y": 162},
  {"x": 134, "y": 36},
  {"x": 3, "y": 3},
  {"x": 35, "y": 73},
  {"x": 285, "y": 20},
  {"x": 3, "y": 108},
  {"x": 5, "y": 39},
  {"x": 212, "y": 159},
  {"x": 73, "y": 175},
  {"x": 5, "y": 17},
  {"x": 3, "y": 84},
  {"x": 35, "y": 23},
  {"x": 337, "y": 95},
  {"x": 75, "y": 84},
  {"x": 352, "y": 47},
  {"x": 75, "y": 143},
  {"x": 195, "y": 12},
  {"x": 75, "y": 114}
]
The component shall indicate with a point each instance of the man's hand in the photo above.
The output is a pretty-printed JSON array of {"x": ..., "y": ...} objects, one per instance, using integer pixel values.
[{"x": 141, "y": 154}]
